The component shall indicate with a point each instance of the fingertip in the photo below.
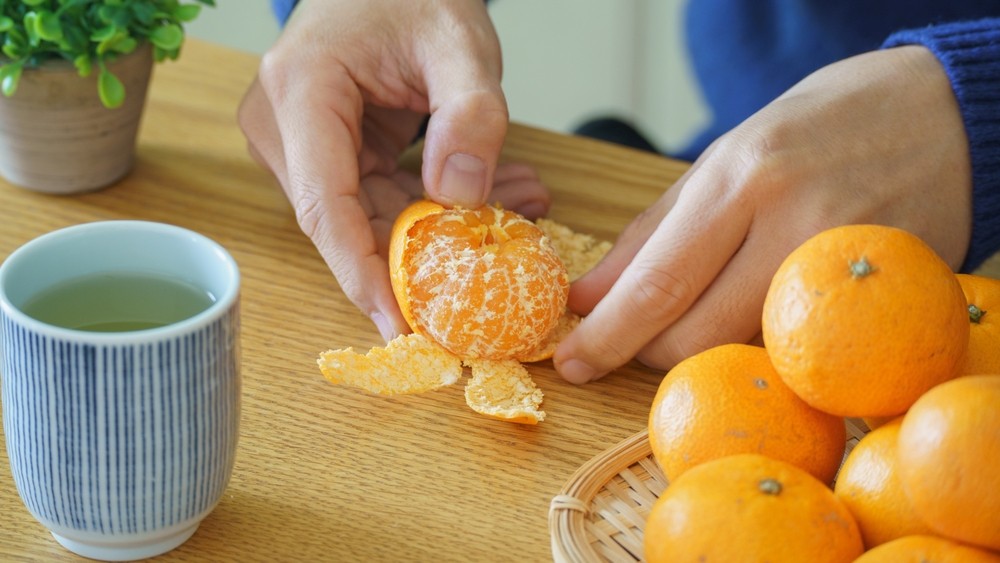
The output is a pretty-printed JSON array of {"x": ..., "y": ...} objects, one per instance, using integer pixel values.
[
  {"x": 463, "y": 181},
  {"x": 533, "y": 209},
  {"x": 574, "y": 369}
]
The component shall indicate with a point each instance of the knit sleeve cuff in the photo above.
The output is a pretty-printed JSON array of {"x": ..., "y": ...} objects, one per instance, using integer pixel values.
[{"x": 970, "y": 54}]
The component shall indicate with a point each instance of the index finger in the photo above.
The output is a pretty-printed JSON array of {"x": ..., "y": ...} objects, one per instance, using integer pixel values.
[
  {"x": 319, "y": 117},
  {"x": 680, "y": 259}
]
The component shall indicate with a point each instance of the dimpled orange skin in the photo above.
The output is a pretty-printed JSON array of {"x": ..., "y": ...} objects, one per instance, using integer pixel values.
[
  {"x": 983, "y": 355},
  {"x": 482, "y": 283},
  {"x": 749, "y": 507},
  {"x": 949, "y": 455},
  {"x": 729, "y": 400},
  {"x": 868, "y": 484},
  {"x": 926, "y": 549},
  {"x": 861, "y": 320}
]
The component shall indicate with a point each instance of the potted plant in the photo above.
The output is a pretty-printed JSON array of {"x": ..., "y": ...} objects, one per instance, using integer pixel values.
[{"x": 73, "y": 74}]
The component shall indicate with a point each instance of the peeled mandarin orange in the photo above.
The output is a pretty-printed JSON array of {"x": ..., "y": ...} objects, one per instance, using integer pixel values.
[
  {"x": 983, "y": 297},
  {"x": 729, "y": 400},
  {"x": 926, "y": 549},
  {"x": 861, "y": 320},
  {"x": 483, "y": 283},
  {"x": 488, "y": 283},
  {"x": 949, "y": 455},
  {"x": 868, "y": 484},
  {"x": 749, "y": 507}
]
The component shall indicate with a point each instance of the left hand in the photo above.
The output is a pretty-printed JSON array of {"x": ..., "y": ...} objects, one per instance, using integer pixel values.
[{"x": 877, "y": 138}]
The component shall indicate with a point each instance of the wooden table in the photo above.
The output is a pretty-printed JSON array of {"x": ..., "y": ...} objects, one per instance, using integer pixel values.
[{"x": 327, "y": 472}]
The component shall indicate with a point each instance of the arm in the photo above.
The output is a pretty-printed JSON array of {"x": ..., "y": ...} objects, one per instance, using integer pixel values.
[{"x": 970, "y": 55}]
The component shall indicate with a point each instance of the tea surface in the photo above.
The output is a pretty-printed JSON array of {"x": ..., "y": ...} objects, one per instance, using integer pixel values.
[{"x": 118, "y": 302}]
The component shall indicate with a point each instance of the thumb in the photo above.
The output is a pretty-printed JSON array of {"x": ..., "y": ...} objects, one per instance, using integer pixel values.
[{"x": 465, "y": 133}]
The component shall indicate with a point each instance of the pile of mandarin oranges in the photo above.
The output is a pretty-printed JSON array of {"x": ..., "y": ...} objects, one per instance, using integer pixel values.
[{"x": 860, "y": 322}]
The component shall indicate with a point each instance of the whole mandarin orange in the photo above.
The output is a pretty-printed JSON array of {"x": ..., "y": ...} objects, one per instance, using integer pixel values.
[
  {"x": 983, "y": 297},
  {"x": 749, "y": 507},
  {"x": 949, "y": 455},
  {"x": 926, "y": 549},
  {"x": 860, "y": 320},
  {"x": 868, "y": 484},
  {"x": 729, "y": 400}
]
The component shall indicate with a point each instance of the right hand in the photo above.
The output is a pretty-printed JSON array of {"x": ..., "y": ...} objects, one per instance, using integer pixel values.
[{"x": 343, "y": 92}]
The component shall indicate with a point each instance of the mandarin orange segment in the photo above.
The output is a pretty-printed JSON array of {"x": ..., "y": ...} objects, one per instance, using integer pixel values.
[
  {"x": 503, "y": 389},
  {"x": 483, "y": 283},
  {"x": 410, "y": 363}
]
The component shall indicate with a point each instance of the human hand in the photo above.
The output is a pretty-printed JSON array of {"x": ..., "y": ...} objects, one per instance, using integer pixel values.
[
  {"x": 343, "y": 92},
  {"x": 876, "y": 138}
]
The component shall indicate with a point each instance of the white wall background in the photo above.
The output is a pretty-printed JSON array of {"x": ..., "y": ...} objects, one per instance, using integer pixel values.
[{"x": 564, "y": 60}]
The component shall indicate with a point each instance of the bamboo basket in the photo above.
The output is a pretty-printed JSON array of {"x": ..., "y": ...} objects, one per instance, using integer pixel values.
[{"x": 600, "y": 512}]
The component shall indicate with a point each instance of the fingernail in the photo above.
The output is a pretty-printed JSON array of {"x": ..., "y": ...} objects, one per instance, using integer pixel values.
[
  {"x": 532, "y": 210},
  {"x": 576, "y": 371},
  {"x": 463, "y": 180},
  {"x": 384, "y": 326}
]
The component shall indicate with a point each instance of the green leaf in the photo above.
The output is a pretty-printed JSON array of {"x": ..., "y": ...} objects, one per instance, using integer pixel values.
[
  {"x": 110, "y": 89},
  {"x": 144, "y": 12},
  {"x": 187, "y": 12},
  {"x": 126, "y": 45},
  {"x": 83, "y": 65},
  {"x": 168, "y": 37},
  {"x": 5, "y": 23},
  {"x": 112, "y": 42},
  {"x": 10, "y": 75},
  {"x": 32, "y": 2},
  {"x": 31, "y": 28},
  {"x": 48, "y": 27},
  {"x": 103, "y": 33},
  {"x": 106, "y": 13}
]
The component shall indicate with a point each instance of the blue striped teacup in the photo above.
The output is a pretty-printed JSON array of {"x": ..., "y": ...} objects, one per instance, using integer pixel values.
[{"x": 120, "y": 443}]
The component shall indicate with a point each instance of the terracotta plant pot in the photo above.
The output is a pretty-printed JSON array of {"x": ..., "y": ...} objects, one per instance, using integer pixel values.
[{"x": 56, "y": 136}]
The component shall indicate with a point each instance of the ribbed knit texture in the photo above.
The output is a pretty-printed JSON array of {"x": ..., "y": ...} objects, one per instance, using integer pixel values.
[{"x": 970, "y": 54}]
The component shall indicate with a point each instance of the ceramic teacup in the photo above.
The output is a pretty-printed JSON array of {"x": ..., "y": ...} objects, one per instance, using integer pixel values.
[{"x": 120, "y": 442}]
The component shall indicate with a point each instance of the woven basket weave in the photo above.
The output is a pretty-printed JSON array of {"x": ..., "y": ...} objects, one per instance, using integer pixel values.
[{"x": 600, "y": 512}]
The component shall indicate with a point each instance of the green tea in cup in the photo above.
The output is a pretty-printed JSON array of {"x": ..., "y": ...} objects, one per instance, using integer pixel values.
[{"x": 118, "y": 302}]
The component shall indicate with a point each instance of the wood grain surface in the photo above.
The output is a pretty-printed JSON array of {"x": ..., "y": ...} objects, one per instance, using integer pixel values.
[{"x": 326, "y": 472}]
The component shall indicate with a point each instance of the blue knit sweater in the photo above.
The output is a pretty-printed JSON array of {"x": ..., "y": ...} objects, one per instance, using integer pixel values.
[{"x": 745, "y": 53}]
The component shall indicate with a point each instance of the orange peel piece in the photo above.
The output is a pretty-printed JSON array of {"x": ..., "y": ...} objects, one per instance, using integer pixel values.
[
  {"x": 579, "y": 252},
  {"x": 503, "y": 389},
  {"x": 409, "y": 363}
]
